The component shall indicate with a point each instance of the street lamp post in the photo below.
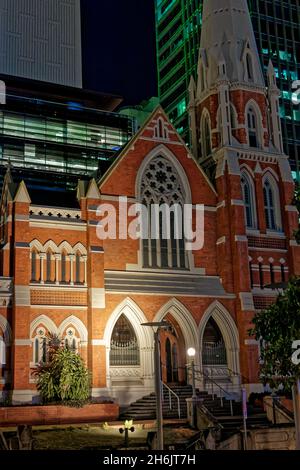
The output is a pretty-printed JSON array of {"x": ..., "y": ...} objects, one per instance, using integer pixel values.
[
  {"x": 158, "y": 384},
  {"x": 191, "y": 353}
]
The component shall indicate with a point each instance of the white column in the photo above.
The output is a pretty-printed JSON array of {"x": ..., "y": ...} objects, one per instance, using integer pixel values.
[
  {"x": 84, "y": 258},
  {"x": 57, "y": 259},
  {"x": 42, "y": 258},
  {"x": 71, "y": 258}
]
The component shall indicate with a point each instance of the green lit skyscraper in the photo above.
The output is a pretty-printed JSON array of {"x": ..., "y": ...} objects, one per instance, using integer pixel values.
[{"x": 276, "y": 27}]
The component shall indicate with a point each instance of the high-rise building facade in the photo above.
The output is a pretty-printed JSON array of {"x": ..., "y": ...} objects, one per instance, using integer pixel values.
[
  {"x": 276, "y": 28},
  {"x": 56, "y": 134},
  {"x": 41, "y": 40}
]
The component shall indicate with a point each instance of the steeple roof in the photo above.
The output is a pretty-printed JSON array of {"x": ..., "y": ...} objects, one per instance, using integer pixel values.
[{"x": 227, "y": 37}]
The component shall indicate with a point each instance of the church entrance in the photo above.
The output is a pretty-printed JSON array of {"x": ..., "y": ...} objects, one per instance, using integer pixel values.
[
  {"x": 214, "y": 355},
  {"x": 172, "y": 351}
]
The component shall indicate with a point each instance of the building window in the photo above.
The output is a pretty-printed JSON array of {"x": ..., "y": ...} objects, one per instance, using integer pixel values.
[
  {"x": 40, "y": 346},
  {"x": 162, "y": 193},
  {"x": 124, "y": 348},
  {"x": 63, "y": 267},
  {"x": 71, "y": 341},
  {"x": 33, "y": 265},
  {"x": 252, "y": 128},
  {"x": 261, "y": 275},
  {"x": 48, "y": 266},
  {"x": 77, "y": 268},
  {"x": 206, "y": 137},
  {"x": 269, "y": 202},
  {"x": 249, "y": 65},
  {"x": 248, "y": 198}
]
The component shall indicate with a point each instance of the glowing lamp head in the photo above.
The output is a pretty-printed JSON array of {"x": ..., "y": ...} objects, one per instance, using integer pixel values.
[{"x": 191, "y": 352}]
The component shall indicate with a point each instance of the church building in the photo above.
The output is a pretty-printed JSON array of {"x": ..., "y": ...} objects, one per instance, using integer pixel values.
[{"x": 59, "y": 276}]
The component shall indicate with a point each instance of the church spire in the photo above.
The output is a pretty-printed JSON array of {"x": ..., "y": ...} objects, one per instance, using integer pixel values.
[{"x": 228, "y": 48}]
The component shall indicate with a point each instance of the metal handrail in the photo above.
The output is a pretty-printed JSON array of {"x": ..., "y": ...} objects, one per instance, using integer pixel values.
[
  {"x": 221, "y": 389},
  {"x": 170, "y": 399}
]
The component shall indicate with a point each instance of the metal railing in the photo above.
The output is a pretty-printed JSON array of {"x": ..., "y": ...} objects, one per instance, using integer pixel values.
[
  {"x": 217, "y": 387},
  {"x": 170, "y": 393}
]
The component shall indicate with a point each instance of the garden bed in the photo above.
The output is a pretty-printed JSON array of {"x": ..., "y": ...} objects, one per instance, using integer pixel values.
[{"x": 58, "y": 414}]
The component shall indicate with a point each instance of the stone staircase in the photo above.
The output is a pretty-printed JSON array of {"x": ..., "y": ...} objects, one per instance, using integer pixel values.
[{"x": 145, "y": 409}]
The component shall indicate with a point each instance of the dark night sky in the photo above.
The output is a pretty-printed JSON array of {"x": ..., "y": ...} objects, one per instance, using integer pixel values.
[{"x": 119, "y": 48}]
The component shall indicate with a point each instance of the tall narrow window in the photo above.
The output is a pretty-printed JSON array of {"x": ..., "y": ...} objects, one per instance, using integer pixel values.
[
  {"x": 252, "y": 128},
  {"x": 249, "y": 65},
  {"x": 77, "y": 268},
  {"x": 269, "y": 206},
  {"x": 251, "y": 274},
  {"x": 272, "y": 274},
  {"x": 162, "y": 193},
  {"x": 206, "y": 137},
  {"x": 282, "y": 273},
  {"x": 33, "y": 265},
  {"x": 63, "y": 267},
  {"x": 48, "y": 266},
  {"x": 261, "y": 275},
  {"x": 248, "y": 201}
]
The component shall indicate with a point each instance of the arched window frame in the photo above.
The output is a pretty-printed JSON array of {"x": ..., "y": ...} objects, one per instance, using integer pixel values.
[
  {"x": 77, "y": 268},
  {"x": 206, "y": 142},
  {"x": 49, "y": 258},
  {"x": 252, "y": 111},
  {"x": 249, "y": 202},
  {"x": 126, "y": 354},
  {"x": 249, "y": 66},
  {"x": 71, "y": 340},
  {"x": 2, "y": 351},
  {"x": 271, "y": 203},
  {"x": 163, "y": 253},
  {"x": 39, "y": 342},
  {"x": 34, "y": 257}
]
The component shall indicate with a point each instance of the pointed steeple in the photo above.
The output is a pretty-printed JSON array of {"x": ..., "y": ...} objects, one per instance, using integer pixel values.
[{"x": 228, "y": 44}]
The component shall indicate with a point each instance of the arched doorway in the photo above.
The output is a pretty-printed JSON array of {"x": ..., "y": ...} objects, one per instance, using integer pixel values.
[
  {"x": 214, "y": 355},
  {"x": 172, "y": 347}
]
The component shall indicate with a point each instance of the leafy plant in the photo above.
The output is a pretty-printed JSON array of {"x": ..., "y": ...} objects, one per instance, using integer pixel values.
[
  {"x": 64, "y": 377},
  {"x": 276, "y": 328}
]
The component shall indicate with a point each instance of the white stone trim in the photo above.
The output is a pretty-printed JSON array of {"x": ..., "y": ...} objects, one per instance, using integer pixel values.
[
  {"x": 251, "y": 342},
  {"x": 22, "y": 296},
  {"x": 98, "y": 342},
  {"x": 241, "y": 238},
  {"x": 23, "y": 342},
  {"x": 291, "y": 209},
  {"x": 221, "y": 240},
  {"x": 237, "y": 202},
  {"x": 246, "y": 299},
  {"x": 97, "y": 297}
]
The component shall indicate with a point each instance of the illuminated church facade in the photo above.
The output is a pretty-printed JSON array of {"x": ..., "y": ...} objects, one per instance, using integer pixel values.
[{"x": 58, "y": 275}]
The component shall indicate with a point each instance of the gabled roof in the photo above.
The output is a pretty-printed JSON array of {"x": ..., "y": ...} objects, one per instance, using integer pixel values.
[{"x": 137, "y": 136}]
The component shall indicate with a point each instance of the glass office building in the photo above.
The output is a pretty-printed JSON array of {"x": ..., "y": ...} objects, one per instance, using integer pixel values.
[
  {"x": 276, "y": 27},
  {"x": 60, "y": 133}
]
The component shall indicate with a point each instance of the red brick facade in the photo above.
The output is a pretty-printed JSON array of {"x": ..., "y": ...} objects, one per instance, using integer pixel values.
[{"x": 58, "y": 276}]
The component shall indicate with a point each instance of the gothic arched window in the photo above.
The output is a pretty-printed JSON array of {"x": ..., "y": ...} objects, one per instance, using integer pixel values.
[
  {"x": 271, "y": 203},
  {"x": 63, "y": 267},
  {"x": 40, "y": 346},
  {"x": 252, "y": 128},
  {"x": 124, "y": 348},
  {"x": 33, "y": 265},
  {"x": 249, "y": 203},
  {"x": 48, "y": 266},
  {"x": 206, "y": 137},
  {"x": 249, "y": 66},
  {"x": 71, "y": 341},
  {"x": 162, "y": 193}
]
